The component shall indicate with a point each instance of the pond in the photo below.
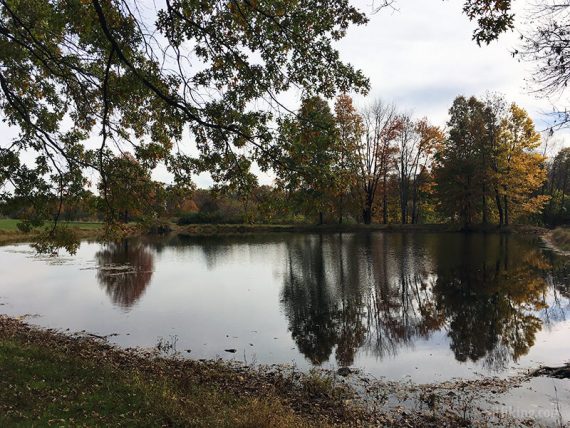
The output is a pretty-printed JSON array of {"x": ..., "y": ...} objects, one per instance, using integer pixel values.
[{"x": 420, "y": 306}]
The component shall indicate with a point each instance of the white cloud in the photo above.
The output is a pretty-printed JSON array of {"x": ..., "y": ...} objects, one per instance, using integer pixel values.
[{"x": 422, "y": 56}]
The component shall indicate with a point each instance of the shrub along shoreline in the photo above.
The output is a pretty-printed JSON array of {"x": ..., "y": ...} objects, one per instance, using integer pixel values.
[
  {"x": 213, "y": 229},
  {"x": 94, "y": 230}
]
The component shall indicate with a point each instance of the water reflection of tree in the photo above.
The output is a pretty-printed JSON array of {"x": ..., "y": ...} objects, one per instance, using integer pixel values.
[
  {"x": 124, "y": 271},
  {"x": 382, "y": 292},
  {"x": 217, "y": 250},
  {"x": 558, "y": 297},
  {"x": 400, "y": 303},
  {"x": 321, "y": 300},
  {"x": 488, "y": 287},
  {"x": 345, "y": 292}
]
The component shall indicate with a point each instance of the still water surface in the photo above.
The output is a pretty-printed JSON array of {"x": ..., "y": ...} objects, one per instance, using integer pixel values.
[{"x": 424, "y": 306}]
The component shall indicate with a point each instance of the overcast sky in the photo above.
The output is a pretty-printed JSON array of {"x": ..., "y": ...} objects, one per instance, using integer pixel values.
[{"x": 421, "y": 56}]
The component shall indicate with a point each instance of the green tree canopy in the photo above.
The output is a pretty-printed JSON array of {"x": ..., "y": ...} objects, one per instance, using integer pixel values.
[{"x": 489, "y": 157}]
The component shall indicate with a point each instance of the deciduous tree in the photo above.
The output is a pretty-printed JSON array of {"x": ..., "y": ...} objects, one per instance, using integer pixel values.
[
  {"x": 72, "y": 69},
  {"x": 416, "y": 143},
  {"x": 128, "y": 190},
  {"x": 350, "y": 130},
  {"x": 311, "y": 149},
  {"x": 460, "y": 172},
  {"x": 521, "y": 169},
  {"x": 382, "y": 125}
]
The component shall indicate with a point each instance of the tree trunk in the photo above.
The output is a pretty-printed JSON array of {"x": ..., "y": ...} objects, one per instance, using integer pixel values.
[
  {"x": 506, "y": 203},
  {"x": 340, "y": 210},
  {"x": 414, "y": 204},
  {"x": 466, "y": 205},
  {"x": 367, "y": 215},
  {"x": 384, "y": 203},
  {"x": 403, "y": 200},
  {"x": 369, "y": 199},
  {"x": 320, "y": 217},
  {"x": 564, "y": 189},
  {"x": 485, "y": 213},
  {"x": 404, "y": 207},
  {"x": 499, "y": 206}
]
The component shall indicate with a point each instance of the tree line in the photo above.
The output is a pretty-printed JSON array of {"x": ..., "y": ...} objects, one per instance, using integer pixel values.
[
  {"x": 376, "y": 164},
  {"x": 384, "y": 166}
]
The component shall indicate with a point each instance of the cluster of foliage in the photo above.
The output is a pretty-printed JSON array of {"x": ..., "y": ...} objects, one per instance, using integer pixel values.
[
  {"x": 72, "y": 69},
  {"x": 545, "y": 43},
  {"x": 341, "y": 165},
  {"x": 381, "y": 165},
  {"x": 488, "y": 168},
  {"x": 347, "y": 164},
  {"x": 557, "y": 211}
]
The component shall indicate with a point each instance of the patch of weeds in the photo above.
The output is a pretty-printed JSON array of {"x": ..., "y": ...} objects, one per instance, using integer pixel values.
[
  {"x": 167, "y": 346},
  {"x": 321, "y": 384}
]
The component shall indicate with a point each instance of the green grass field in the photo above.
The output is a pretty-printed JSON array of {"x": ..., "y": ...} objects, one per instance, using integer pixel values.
[{"x": 10, "y": 225}]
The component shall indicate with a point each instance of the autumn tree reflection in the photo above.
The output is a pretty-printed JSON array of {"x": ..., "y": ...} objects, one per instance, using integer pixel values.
[
  {"x": 381, "y": 292},
  {"x": 489, "y": 288},
  {"x": 345, "y": 292},
  {"x": 124, "y": 270},
  {"x": 400, "y": 302},
  {"x": 321, "y": 299}
]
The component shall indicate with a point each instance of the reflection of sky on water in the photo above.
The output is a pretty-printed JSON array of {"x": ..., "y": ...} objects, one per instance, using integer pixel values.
[{"x": 424, "y": 306}]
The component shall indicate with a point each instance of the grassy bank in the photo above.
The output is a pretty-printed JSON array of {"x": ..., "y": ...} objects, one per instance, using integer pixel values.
[
  {"x": 9, "y": 231},
  {"x": 223, "y": 229},
  {"x": 41, "y": 386},
  {"x": 213, "y": 229},
  {"x": 51, "y": 378}
]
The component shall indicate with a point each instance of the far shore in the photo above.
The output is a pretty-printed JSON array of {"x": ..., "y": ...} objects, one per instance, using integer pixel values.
[
  {"x": 214, "y": 229},
  {"x": 90, "y": 230}
]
